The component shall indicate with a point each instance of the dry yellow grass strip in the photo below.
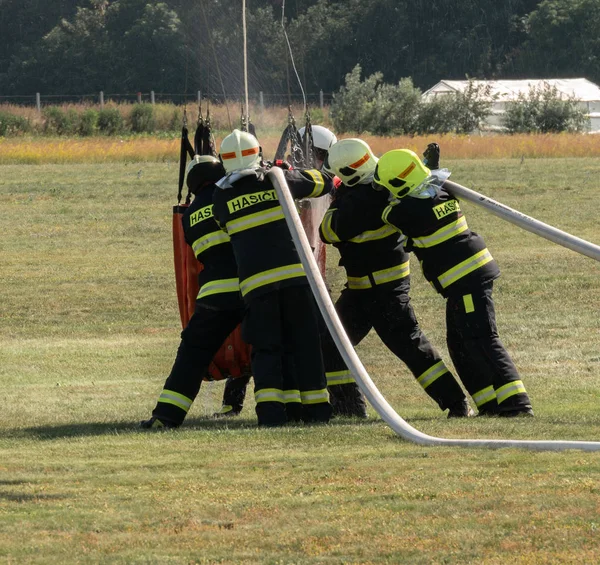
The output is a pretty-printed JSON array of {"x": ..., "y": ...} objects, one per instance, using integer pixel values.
[{"x": 38, "y": 150}]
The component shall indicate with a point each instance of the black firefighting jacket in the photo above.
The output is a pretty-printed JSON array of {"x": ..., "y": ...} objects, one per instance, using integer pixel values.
[
  {"x": 453, "y": 257},
  {"x": 247, "y": 208},
  {"x": 370, "y": 250},
  {"x": 218, "y": 280}
]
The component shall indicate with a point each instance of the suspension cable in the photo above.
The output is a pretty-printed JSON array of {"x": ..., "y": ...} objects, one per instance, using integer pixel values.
[
  {"x": 292, "y": 55},
  {"x": 245, "y": 60},
  {"x": 212, "y": 45}
]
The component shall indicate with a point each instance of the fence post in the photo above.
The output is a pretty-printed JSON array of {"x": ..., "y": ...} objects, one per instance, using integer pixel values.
[
  {"x": 38, "y": 102},
  {"x": 261, "y": 101},
  {"x": 152, "y": 97},
  {"x": 199, "y": 97},
  {"x": 139, "y": 97},
  {"x": 102, "y": 99},
  {"x": 321, "y": 98}
]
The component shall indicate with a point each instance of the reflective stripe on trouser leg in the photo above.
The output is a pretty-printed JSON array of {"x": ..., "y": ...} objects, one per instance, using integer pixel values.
[
  {"x": 290, "y": 396},
  {"x": 432, "y": 374},
  {"x": 179, "y": 400},
  {"x": 314, "y": 396},
  {"x": 508, "y": 390},
  {"x": 269, "y": 395},
  {"x": 339, "y": 378},
  {"x": 481, "y": 397}
]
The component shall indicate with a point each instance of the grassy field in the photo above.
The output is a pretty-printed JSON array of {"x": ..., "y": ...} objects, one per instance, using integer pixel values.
[{"x": 88, "y": 331}]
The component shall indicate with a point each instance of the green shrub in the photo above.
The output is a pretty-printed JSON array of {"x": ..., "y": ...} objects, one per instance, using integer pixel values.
[
  {"x": 59, "y": 122},
  {"x": 142, "y": 118},
  {"x": 110, "y": 121},
  {"x": 13, "y": 125},
  {"x": 543, "y": 110},
  {"x": 88, "y": 122}
]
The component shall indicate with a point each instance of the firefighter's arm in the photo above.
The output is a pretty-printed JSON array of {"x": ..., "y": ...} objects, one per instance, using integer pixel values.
[
  {"x": 391, "y": 215},
  {"x": 217, "y": 210},
  {"x": 308, "y": 183}
]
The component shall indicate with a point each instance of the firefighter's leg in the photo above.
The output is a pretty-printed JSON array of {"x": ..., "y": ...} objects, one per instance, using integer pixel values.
[
  {"x": 233, "y": 396},
  {"x": 200, "y": 340},
  {"x": 476, "y": 315},
  {"x": 262, "y": 330},
  {"x": 344, "y": 394},
  {"x": 396, "y": 324},
  {"x": 302, "y": 341}
]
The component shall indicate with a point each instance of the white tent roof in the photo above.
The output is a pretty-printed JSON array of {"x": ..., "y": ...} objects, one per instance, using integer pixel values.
[{"x": 580, "y": 88}]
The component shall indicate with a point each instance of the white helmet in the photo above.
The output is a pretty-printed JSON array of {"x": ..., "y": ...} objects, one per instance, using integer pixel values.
[
  {"x": 322, "y": 137},
  {"x": 351, "y": 160},
  {"x": 240, "y": 150}
]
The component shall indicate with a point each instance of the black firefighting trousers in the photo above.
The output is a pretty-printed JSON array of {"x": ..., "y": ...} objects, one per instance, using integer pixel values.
[
  {"x": 389, "y": 312},
  {"x": 482, "y": 362},
  {"x": 200, "y": 341},
  {"x": 287, "y": 364}
]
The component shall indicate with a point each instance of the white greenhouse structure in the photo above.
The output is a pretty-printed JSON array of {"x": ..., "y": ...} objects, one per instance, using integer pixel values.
[{"x": 585, "y": 92}]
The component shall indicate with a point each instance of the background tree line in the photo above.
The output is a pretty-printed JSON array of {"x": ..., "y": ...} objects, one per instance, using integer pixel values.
[{"x": 83, "y": 46}]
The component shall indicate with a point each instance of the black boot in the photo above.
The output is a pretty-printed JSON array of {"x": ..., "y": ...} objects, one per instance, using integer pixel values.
[
  {"x": 460, "y": 409},
  {"x": 347, "y": 401}
]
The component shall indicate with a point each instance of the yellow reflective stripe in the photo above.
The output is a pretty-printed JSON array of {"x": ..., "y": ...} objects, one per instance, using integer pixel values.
[
  {"x": 510, "y": 389},
  {"x": 380, "y": 277},
  {"x": 219, "y": 286},
  {"x": 392, "y": 273},
  {"x": 335, "y": 378},
  {"x": 484, "y": 395},
  {"x": 272, "y": 275},
  {"x": 359, "y": 283},
  {"x": 172, "y": 397},
  {"x": 432, "y": 374},
  {"x": 291, "y": 395},
  {"x": 319, "y": 182},
  {"x": 443, "y": 234},
  {"x": 225, "y": 409},
  {"x": 326, "y": 228},
  {"x": 314, "y": 396},
  {"x": 465, "y": 267},
  {"x": 386, "y": 213},
  {"x": 374, "y": 235},
  {"x": 468, "y": 302},
  {"x": 268, "y": 395},
  {"x": 254, "y": 220},
  {"x": 209, "y": 240}
]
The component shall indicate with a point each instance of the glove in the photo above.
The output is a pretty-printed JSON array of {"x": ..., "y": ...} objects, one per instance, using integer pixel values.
[{"x": 431, "y": 156}]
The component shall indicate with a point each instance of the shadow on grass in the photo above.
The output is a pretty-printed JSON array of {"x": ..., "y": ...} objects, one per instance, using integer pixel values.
[{"x": 52, "y": 432}]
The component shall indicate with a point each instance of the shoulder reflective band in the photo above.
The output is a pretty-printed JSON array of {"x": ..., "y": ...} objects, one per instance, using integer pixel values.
[
  {"x": 209, "y": 240},
  {"x": 326, "y": 228},
  {"x": 319, "y": 181},
  {"x": 254, "y": 220},
  {"x": 380, "y": 277},
  {"x": 314, "y": 396},
  {"x": 271, "y": 276},
  {"x": 484, "y": 395},
  {"x": 268, "y": 395},
  {"x": 443, "y": 234},
  {"x": 374, "y": 235},
  {"x": 219, "y": 286},
  {"x": 508, "y": 390},
  {"x": 432, "y": 374},
  {"x": 172, "y": 397},
  {"x": 465, "y": 267}
]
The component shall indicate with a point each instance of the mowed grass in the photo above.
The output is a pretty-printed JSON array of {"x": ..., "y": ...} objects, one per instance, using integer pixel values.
[{"x": 88, "y": 331}]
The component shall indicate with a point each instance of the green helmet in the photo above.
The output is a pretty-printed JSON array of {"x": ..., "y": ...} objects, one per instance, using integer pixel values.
[{"x": 400, "y": 171}]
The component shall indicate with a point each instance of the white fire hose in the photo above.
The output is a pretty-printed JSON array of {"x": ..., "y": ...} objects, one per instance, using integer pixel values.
[{"x": 379, "y": 403}]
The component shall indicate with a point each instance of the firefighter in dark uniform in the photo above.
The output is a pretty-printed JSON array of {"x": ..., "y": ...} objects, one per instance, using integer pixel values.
[
  {"x": 281, "y": 320},
  {"x": 234, "y": 392},
  {"x": 219, "y": 306},
  {"x": 378, "y": 283},
  {"x": 456, "y": 261}
]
